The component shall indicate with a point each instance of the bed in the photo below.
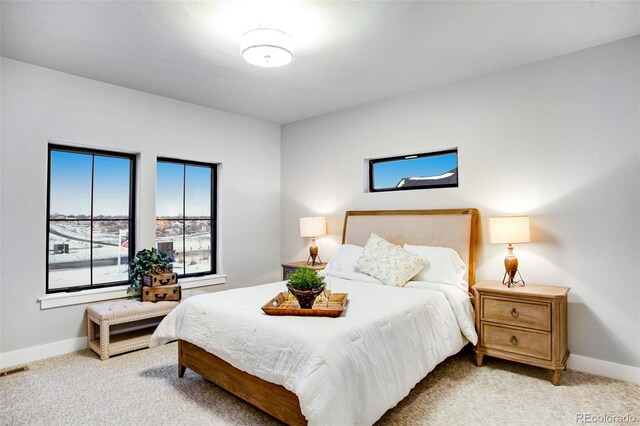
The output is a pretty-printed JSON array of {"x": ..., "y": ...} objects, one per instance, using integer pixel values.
[{"x": 347, "y": 370}]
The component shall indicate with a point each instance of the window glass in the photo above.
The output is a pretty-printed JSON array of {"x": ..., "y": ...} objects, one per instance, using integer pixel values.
[
  {"x": 91, "y": 215},
  {"x": 111, "y": 187},
  {"x": 70, "y": 185},
  {"x": 197, "y": 192},
  {"x": 185, "y": 216},
  {"x": 419, "y": 171},
  {"x": 169, "y": 190}
]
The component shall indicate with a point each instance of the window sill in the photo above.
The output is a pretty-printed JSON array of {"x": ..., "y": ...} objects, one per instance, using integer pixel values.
[{"x": 58, "y": 300}]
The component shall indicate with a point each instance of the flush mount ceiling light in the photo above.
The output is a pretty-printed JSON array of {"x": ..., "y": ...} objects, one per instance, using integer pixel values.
[{"x": 267, "y": 47}]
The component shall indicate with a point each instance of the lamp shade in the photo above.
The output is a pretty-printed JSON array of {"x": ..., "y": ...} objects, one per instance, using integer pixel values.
[
  {"x": 508, "y": 230},
  {"x": 267, "y": 47},
  {"x": 313, "y": 226}
]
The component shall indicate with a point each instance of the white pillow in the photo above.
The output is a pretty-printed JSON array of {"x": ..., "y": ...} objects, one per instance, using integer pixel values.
[
  {"x": 388, "y": 262},
  {"x": 345, "y": 258},
  {"x": 445, "y": 265}
]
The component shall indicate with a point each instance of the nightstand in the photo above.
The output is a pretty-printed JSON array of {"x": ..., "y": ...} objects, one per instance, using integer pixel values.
[
  {"x": 524, "y": 324},
  {"x": 291, "y": 267}
]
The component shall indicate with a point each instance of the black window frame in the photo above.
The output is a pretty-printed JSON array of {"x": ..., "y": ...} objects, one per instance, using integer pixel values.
[
  {"x": 131, "y": 219},
  {"x": 375, "y": 161},
  {"x": 214, "y": 212}
]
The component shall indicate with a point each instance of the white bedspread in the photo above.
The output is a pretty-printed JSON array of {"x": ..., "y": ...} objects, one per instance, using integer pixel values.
[{"x": 346, "y": 370}]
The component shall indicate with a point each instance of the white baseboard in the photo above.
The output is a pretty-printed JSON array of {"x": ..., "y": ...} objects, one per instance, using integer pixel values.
[
  {"x": 34, "y": 353},
  {"x": 627, "y": 373}
]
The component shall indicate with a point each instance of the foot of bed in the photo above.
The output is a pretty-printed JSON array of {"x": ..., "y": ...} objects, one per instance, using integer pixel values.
[{"x": 181, "y": 370}]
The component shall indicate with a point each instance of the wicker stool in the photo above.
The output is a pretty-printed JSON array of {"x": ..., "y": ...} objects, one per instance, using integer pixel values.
[{"x": 104, "y": 315}]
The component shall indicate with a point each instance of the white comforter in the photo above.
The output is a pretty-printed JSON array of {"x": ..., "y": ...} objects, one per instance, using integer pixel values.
[{"x": 346, "y": 370}]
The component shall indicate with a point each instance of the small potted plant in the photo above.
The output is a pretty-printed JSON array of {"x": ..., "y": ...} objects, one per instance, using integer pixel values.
[
  {"x": 142, "y": 264},
  {"x": 305, "y": 285}
]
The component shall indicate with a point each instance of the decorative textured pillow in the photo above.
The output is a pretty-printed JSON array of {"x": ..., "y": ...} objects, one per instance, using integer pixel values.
[
  {"x": 345, "y": 258},
  {"x": 388, "y": 262},
  {"x": 445, "y": 265}
]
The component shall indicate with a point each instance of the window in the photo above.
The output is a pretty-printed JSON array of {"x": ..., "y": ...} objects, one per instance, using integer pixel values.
[
  {"x": 420, "y": 171},
  {"x": 185, "y": 215},
  {"x": 90, "y": 223}
]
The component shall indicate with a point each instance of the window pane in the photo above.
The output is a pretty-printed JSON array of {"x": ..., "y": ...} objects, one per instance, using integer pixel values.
[
  {"x": 422, "y": 171},
  {"x": 111, "y": 187},
  {"x": 198, "y": 248},
  {"x": 169, "y": 239},
  {"x": 69, "y": 254},
  {"x": 70, "y": 185},
  {"x": 198, "y": 192},
  {"x": 169, "y": 190},
  {"x": 183, "y": 226},
  {"x": 110, "y": 242}
]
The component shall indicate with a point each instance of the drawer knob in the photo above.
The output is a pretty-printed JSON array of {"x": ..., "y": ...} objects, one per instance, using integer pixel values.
[
  {"x": 514, "y": 341},
  {"x": 514, "y": 313}
]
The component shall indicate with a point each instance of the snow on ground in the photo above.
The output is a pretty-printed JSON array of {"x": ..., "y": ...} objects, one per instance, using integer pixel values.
[{"x": 62, "y": 278}]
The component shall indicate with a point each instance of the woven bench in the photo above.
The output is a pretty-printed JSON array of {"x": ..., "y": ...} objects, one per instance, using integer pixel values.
[{"x": 105, "y": 315}]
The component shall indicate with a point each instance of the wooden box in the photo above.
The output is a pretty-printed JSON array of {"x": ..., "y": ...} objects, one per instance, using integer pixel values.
[
  {"x": 154, "y": 280},
  {"x": 161, "y": 293}
]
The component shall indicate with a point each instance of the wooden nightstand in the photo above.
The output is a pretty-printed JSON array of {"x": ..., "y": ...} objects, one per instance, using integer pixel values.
[
  {"x": 524, "y": 324},
  {"x": 291, "y": 267}
]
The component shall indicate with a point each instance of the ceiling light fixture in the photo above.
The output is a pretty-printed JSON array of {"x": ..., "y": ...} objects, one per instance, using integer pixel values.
[{"x": 267, "y": 47}]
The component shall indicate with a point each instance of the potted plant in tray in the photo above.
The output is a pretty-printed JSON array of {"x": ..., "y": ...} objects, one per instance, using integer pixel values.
[
  {"x": 305, "y": 285},
  {"x": 142, "y": 264}
]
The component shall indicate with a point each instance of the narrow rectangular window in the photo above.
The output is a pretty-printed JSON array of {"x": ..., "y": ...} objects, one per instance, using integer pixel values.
[
  {"x": 418, "y": 171},
  {"x": 186, "y": 215},
  {"x": 90, "y": 218}
]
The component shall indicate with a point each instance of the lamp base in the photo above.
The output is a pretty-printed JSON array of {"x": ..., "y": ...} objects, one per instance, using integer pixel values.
[
  {"x": 312, "y": 260},
  {"x": 511, "y": 269},
  {"x": 313, "y": 253},
  {"x": 508, "y": 279}
]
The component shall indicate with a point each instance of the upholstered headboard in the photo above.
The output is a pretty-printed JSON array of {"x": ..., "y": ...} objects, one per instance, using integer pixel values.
[{"x": 456, "y": 229}]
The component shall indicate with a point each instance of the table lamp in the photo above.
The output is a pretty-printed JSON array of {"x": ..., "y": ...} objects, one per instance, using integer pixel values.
[
  {"x": 510, "y": 230},
  {"x": 313, "y": 227}
]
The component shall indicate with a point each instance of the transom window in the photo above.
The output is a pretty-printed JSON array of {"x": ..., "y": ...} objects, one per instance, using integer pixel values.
[
  {"x": 90, "y": 222},
  {"x": 185, "y": 215},
  {"x": 418, "y": 171}
]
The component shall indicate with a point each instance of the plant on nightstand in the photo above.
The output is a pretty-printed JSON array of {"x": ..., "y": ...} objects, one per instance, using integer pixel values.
[
  {"x": 305, "y": 285},
  {"x": 142, "y": 264}
]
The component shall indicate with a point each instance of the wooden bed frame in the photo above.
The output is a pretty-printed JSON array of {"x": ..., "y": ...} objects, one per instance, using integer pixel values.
[{"x": 275, "y": 399}]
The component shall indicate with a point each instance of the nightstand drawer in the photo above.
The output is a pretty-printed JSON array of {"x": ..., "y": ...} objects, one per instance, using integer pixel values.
[
  {"x": 520, "y": 313},
  {"x": 530, "y": 343}
]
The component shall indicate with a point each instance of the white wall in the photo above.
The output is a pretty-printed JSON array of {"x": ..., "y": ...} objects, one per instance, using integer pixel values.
[
  {"x": 40, "y": 105},
  {"x": 558, "y": 140}
]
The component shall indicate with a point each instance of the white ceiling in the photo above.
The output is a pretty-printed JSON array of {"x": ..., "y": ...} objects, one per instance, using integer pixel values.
[{"x": 347, "y": 53}]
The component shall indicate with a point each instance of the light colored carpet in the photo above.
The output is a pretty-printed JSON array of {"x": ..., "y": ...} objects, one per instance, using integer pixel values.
[{"x": 143, "y": 388}]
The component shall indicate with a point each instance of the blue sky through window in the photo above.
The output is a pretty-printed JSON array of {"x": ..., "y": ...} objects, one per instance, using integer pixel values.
[
  {"x": 71, "y": 185},
  {"x": 170, "y": 190},
  {"x": 388, "y": 174},
  {"x": 111, "y": 186},
  {"x": 198, "y": 192}
]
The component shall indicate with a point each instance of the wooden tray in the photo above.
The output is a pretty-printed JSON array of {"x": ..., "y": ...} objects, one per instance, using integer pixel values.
[{"x": 286, "y": 304}]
